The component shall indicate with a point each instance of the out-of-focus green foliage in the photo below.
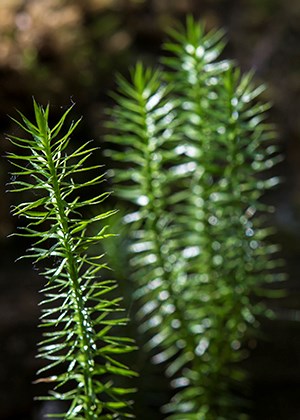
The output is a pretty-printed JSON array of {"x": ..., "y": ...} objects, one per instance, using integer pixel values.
[
  {"x": 78, "y": 313},
  {"x": 193, "y": 147}
]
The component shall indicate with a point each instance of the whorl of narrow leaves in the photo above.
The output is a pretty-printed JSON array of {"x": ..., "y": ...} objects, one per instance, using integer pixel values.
[
  {"x": 78, "y": 343},
  {"x": 197, "y": 151}
]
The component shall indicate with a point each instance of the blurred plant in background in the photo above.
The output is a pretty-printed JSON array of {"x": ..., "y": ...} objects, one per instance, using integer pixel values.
[{"x": 195, "y": 154}]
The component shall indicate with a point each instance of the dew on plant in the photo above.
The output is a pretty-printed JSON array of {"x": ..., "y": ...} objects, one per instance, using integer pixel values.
[
  {"x": 180, "y": 382},
  {"x": 168, "y": 308},
  {"x": 154, "y": 321},
  {"x": 191, "y": 251},
  {"x": 202, "y": 346},
  {"x": 217, "y": 259},
  {"x": 254, "y": 244},
  {"x": 249, "y": 232},
  {"x": 143, "y": 200},
  {"x": 190, "y": 49},
  {"x": 213, "y": 220},
  {"x": 164, "y": 295},
  {"x": 175, "y": 323}
]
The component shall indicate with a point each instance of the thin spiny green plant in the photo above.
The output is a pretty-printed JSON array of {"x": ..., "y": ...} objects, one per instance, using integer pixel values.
[
  {"x": 198, "y": 149},
  {"x": 230, "y": 146},
  {"x": 80, "y": 313}
]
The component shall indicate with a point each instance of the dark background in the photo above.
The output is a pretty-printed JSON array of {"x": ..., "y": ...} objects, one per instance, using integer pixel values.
[{"x": 68, "y": 51}]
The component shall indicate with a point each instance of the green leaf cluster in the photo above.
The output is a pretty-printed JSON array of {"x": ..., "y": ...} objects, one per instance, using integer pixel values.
[
  {"x": 194, "y": 150},
  {"x": 79, "y": 313}
]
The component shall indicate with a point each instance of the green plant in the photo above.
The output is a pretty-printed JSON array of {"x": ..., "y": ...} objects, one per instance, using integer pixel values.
[
  {"x": 192, "y": 145},
  {"x": 77, "y": 316}
]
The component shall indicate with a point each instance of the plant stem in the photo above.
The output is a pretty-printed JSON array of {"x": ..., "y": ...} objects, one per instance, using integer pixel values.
[{"x": 84, "y": 322}]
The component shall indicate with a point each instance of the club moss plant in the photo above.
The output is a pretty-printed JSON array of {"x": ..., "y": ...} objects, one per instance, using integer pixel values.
[
  {"x": 193, "y": 150},
  {"x": 78, "y": 311}
]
